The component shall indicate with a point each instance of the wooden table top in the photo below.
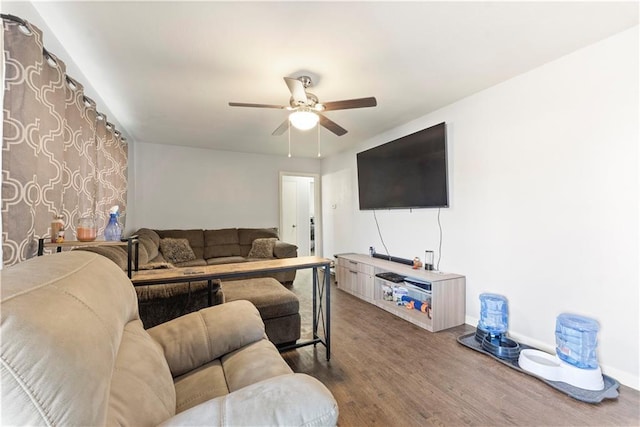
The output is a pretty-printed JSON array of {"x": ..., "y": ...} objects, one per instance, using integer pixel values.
[
  {"x": 76, "y": 243},
  {"x": 221, "y": 271}
]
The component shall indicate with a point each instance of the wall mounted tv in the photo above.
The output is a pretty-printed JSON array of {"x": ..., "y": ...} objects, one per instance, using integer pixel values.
[{"x": 406, "y": 173}]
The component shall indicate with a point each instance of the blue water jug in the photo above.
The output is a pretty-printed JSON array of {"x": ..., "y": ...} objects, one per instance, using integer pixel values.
[
  {"x": 576, "y": 340},
  {"x": 493, "y": 313},
  {"x": 113, "y": 231}
]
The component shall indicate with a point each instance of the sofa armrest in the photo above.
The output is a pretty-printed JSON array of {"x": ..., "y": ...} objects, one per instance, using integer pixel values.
[
  {"x": 117, "y": 254},
  {"x": 285, "y": 250},
  {"x": 291, "y": 400},
  {"x": 197, "y": 338}
]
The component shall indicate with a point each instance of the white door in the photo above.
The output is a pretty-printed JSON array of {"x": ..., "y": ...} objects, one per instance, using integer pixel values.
[
  {"x": 299, "y": 207},
  {"x": 289, "y": 212}
]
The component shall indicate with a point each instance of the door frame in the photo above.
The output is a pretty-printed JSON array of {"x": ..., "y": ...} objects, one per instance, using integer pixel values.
[{"x": 317, "y": 219}]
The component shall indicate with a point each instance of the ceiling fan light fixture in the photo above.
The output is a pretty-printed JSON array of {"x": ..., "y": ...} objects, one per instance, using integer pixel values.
[{"x": 303, "y": 119}]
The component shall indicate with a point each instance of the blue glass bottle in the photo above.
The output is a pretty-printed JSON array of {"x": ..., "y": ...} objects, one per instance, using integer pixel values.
[{"x": 113, "y": 231}]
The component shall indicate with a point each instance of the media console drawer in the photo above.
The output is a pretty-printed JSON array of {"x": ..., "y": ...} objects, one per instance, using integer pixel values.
[{"x": 445, "y": 301}]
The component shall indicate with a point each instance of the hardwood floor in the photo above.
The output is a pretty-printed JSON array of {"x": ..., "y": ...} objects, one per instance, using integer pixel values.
[{"x": 385, "y": 371}]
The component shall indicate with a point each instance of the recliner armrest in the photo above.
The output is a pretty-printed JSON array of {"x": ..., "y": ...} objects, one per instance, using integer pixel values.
[
  {"x": 285, "y": 250},
  {"x": 197, "y": 338},
  {"x": 291, "y": 400}
]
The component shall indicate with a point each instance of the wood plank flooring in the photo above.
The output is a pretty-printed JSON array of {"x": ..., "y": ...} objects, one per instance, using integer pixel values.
[{"x": 385, "y": 371}]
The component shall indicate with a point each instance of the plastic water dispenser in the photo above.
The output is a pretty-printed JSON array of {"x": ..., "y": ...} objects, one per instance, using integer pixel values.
[
  {"x": 494, "y": 316},
  {"x": 576, "y": 340},
  {"x": 575, "y": 361},
  {"x": 493, "y": 325}
]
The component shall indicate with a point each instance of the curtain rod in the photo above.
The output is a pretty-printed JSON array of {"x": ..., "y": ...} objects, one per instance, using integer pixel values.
[{"x": 13, "y": 18}]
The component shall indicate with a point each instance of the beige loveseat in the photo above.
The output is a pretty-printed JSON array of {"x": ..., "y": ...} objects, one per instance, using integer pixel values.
[{"x": 74, "y": 352}]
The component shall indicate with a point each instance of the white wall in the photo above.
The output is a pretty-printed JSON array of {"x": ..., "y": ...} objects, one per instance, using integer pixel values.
[
  {"x": 181, "y": 187},
  {"x": 543, "y": 173}
]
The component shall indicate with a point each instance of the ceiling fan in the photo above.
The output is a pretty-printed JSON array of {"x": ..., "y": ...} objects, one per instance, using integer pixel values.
[{"x": 306, "y": 110}]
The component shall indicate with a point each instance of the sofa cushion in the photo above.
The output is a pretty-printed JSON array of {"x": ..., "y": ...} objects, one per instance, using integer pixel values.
[
  {"x": 221, "y": 243},
  {"x": 194, "y": 236},
  {"x": 225, "y": 260},
  {"x": 200, "y": 385},
  {"x": 246, "y": 237},
  {"x": 176, "y": 250},
  {"x": 198, "y": 262},
  {"x": 252, "y": 363},
  {"x": 308, "y": 403},
  {"x": 150, "y": 240},
  {"x": 262, "y": 248}
]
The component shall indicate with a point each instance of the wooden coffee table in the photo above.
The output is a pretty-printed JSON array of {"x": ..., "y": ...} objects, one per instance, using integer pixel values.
[{"x": 321, "y": 309}]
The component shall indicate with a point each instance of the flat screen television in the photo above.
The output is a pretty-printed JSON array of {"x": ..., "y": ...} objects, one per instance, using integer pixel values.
[{"x": 406, "y": 173}]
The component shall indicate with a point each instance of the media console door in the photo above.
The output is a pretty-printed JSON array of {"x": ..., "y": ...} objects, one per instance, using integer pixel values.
[
  {"x": 356, "y": 278},
  {"x": 356, "y": 274}
]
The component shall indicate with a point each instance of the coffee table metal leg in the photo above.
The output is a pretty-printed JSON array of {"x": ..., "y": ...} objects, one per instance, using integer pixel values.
[
  {"x": 327, "y": 320},
  {"x": 315, "y": 303}
]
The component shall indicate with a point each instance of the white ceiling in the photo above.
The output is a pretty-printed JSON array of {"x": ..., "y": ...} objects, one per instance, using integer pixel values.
[{"x": 167, "y": 70}]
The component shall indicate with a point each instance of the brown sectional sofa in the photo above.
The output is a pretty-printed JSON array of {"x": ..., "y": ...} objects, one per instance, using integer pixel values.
[
  {"x": 160, "y": 303},
  {"x": 224, "y": 246}
]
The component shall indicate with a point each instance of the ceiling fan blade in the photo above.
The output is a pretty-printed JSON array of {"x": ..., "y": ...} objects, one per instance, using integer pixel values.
[
  {"x": 243, "y": 104},
  {"x": 350, "y": 103},
  {"x": 297, "y": 90},
  {"x": 331, "y": 125},
  {"x": 282, "y": 128}
]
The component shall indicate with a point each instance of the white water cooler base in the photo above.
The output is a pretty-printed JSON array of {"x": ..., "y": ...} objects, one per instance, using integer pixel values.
[{"x": 552, "y": 368}]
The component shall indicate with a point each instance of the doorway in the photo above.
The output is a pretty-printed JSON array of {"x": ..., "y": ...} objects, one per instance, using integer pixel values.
[{"x": 300, "y": 212}]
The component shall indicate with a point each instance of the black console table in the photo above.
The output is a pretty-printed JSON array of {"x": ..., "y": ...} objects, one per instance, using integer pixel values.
[{"x": 130, "y": 242}]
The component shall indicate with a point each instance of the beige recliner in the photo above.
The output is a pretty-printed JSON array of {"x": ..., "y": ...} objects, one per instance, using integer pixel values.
[{"x": 74, "y": 352}]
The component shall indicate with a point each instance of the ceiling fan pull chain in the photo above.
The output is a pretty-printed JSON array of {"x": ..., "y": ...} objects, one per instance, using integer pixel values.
[
  {"x": 318, "y": 126},
  {"x": 289, "y": 141}
]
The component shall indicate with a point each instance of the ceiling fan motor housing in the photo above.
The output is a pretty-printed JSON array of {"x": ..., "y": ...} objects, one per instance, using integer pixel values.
[{"x": 312, "y": 100}]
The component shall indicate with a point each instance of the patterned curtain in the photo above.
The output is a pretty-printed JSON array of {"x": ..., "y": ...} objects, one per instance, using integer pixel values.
[{"x": 59, "y": 155}]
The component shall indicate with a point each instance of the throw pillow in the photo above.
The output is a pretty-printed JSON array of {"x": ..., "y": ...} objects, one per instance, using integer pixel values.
[
  {"x": 262, "y": 248},
  {"x": 176, "y": 250}
]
